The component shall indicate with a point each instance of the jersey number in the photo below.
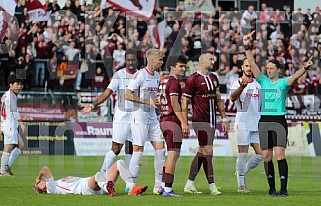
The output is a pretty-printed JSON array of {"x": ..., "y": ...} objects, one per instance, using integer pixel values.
[{"x": 162, "y": 94}]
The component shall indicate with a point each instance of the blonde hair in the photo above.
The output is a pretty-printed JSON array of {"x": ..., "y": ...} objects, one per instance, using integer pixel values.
[{"x": 154, "y": 53}]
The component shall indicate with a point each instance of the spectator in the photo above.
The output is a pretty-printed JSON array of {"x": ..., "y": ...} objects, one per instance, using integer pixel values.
[
  {"x": 248, "y": 19},
  {"x": 119, "y": 57},
  {"x": 99, "y": 82}
]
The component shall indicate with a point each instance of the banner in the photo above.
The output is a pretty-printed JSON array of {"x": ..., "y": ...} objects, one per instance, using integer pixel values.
[
  {"x": 157, "y": 34},
  {"x": 142, "y": 8},
  {"x": 41, "y": 113},
  {"x": 46, "y": 138},
  {"x": 95, "y": 139},
  {"x": 36, "y": 11}
]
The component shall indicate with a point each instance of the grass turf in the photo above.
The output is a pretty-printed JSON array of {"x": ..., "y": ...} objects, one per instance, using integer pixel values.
[{"x": 304, "y": 183}]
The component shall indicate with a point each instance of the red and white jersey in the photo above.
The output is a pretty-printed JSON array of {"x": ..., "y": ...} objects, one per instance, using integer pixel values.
[
  {"x": 168, "y": 87},
  {"x": 202, "y": 91},
  {"x": 145, "y": 85},
  {"x": 119, "y": 84},
  {"x": 9, "y": 111},
  {"x": 247, "y": 105},
  {"x": 70, "y": 185}
]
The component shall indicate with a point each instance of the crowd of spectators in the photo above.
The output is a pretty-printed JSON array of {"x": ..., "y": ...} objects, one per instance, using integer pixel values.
[{"x": 82, "y": 50}]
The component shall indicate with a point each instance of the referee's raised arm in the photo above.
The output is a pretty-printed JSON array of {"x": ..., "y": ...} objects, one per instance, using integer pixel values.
[{"x": 247, "y": 46}]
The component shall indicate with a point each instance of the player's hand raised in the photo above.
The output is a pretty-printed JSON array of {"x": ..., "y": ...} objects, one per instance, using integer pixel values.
[
  {"x": 247, "y": 38},
  {"x": 309, "y": 64}
]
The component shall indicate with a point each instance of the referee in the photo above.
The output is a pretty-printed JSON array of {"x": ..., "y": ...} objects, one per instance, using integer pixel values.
[{"x": 273, "y": 128}]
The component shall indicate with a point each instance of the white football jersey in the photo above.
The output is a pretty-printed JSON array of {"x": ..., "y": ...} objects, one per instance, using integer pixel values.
[
  {"x": 248, "y": 105},
  {"x": 145, "y": 85},
  {"x": 69, "y": 185},
  {"x": 9, "y": 111},
  {"x": 118, "y": 84}
]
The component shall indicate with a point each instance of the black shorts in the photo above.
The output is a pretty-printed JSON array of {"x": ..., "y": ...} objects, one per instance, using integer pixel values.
[{"x": 273, "y": 131}]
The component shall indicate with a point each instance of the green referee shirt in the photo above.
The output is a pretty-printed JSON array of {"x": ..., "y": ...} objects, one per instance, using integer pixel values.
[{"x": 273, "y": 95}]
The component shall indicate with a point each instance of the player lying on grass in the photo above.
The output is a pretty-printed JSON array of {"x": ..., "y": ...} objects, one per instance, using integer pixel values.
[{"x": 100, "y": 183}]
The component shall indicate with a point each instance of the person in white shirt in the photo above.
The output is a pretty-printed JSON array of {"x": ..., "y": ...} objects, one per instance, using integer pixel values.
[
  {"x": 98, "y": 184},
  {"x": 119, "y": 56},
  {"x": 123, "y": 109},
  {"x": 245, "y": 92},
  {"x": 248, "y": 17},
  {"x": 10, "y": 121},
  {"x": 143, "y": 89}
]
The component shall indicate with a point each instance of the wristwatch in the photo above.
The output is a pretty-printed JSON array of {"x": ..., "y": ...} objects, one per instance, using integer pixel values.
[{"x": 91, "y": 106}]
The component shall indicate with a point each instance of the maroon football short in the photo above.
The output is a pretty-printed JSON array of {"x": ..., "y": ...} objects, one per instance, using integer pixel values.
[
  {"x": 172, "y": 131},
  {"x": 205, "y": 134}
]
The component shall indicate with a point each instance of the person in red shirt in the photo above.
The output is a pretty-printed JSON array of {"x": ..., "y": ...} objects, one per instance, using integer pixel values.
[
  {"x": 99, "y": 82},
  {"x": 202, "y": 89},
  {"x": 172, "y": 121}
]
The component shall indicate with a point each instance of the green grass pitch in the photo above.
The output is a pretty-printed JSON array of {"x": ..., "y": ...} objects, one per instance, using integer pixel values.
[{"x": 304, "y": 183}]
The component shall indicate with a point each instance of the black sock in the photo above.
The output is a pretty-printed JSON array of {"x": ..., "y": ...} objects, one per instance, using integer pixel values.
[
  {"x": 283, "y": 171},
  {"x": 208, "y": 168},
  {"x": 270, "y": 175},
  {"x": 195, "y": 166},
  {"x": 168, "y": 179}
]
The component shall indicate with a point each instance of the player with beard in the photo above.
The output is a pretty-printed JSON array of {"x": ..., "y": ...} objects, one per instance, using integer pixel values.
[
  {"x": 245, "y": 92},
  {"x": 202, "y": 89}
]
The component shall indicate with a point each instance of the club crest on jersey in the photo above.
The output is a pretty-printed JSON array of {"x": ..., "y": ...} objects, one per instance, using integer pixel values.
[{"x": 215, "y": 83}]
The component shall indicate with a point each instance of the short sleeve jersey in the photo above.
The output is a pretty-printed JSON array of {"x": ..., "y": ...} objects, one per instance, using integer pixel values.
[
  {"x": 119, "y": 84},
  {"x": 168, "y": 87},
  {"x": 145, "y": 85},
  {"x": 9, "y": 111},
  {"x": 202, "y": 90},
  {"x": 248, "y": 105},
  {"x": 273, "y": 95},
  {"x": 67, "y": 185}
]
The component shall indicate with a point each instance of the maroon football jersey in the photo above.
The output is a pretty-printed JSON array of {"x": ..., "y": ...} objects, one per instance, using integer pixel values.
[
  {"x": 170, "y": 86},
  {"x": 202, "y": 91}
]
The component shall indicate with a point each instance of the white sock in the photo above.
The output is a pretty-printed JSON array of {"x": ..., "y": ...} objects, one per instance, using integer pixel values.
[
  {"x": 108, "y": 161},
  {"x": 168, "y": 189},
  {"x": 134, "y": 164},
  {"x": 128, "y": 157},
  {"x": 189, "y": 183},
  {"x": 212, "y": 185},
  {"x": 100, "y": 178},
  {"x": 125, "y": 174},
  {"x": 4, "y": 161},
  {"x": 163, "y": 184},
  {"x": 253, "y": 162},
  {"x": 158, "y": 165},
  {"x": 241, "y": 168},
  {"x": 13, "y": 156}
]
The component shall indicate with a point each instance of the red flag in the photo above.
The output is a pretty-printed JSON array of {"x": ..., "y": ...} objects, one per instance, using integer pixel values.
[
  {"x": 142, "y": 8},
  {"x": 7, "y": 9},
  {"x": 157, "y": 34},
  {"x": 36, "y": 11}
]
